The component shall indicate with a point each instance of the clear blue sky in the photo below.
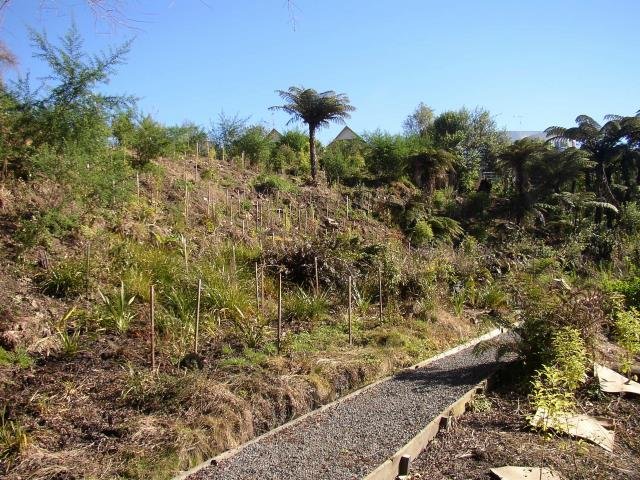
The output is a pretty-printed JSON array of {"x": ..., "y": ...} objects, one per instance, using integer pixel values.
[{"x": 530, "y": 63}]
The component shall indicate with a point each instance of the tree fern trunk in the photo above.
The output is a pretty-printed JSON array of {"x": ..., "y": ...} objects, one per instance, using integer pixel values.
[{"x": 312, "y": 153}]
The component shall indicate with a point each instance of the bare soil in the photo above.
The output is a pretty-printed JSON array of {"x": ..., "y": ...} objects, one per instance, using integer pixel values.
[{"x": 499, "y": 436}]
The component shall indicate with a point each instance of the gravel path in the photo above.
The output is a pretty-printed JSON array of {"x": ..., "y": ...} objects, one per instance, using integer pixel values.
[{"x": 350, "y": 439}]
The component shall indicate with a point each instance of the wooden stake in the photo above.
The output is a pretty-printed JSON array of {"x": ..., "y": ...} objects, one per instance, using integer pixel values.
[
  {"x": 186, "y": 200},
  {"x": 279, "y": 310},
  {"x": 152, "y": 314},
  {"x": 197, "y": 330},
  {"x": 243, "y": 160},
  {"x": 347, "y": 208},
  {"x": 349, "y": 312},
  {"x": 315, "y": 267},
  {"x": 380, "y": 290},
  {"x": 257, "y": 288},
  {"x": 209, "y": 199},
  {"x": 264, "y": 267},
  {"x": 138, "y": 184},
  {"x": 87, "y": 272}
]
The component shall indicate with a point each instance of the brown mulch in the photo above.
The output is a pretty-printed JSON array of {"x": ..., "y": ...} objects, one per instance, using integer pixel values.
[{"x": 497, "y": 437}]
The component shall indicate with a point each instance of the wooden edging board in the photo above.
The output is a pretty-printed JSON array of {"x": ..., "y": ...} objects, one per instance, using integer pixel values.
[
  {"x": 234, "y": 451},
  {"x": 389, "y": 469}
]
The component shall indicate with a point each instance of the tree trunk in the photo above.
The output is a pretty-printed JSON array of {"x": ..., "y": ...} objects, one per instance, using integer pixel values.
[{"x": 312, "y": 153}]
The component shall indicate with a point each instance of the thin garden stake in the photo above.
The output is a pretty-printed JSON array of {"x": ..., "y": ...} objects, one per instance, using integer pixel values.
[
  {"x": 209, "y": 199},
  {"x": 315, "y": 268},
  {"x": 197, "y": 330},
  {"x": 279, "y": 309},
  {"x": 380, "y": 290},
  {"x": 349, "y": 313},
  {"x": 264, "y": 267},
  {"x": 87, "y": 269},
  {"x": 257, "y": 288},
  {"x": 152, "y": 314},
  {"x": 138, "y": 184}
]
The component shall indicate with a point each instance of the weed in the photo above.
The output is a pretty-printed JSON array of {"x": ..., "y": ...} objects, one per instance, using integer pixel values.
[
  {"x": 18, "y": 357},
  {"x": 551, "y": 394},
  {"x": 69, "y": 335},
  {"x": 627, "y": 330},
  {"x": 271, "y": 184},
  {"x": 66, "y": 279},
  {"x": 480, "y": 403},
  {"x": 306, "y": 307},
  {"x": 117, "y": 313},
  {"x": 13, "y": 437}
]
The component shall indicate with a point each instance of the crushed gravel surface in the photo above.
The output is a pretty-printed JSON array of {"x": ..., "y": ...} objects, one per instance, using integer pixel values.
[{"x": 350, "y": 439}]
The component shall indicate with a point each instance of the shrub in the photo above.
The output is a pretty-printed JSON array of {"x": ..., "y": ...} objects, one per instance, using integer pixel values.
[
  {"x": 627, "y": 331},
  {"x": 630, "y": 288},
  {"x": 43, "y": 226},
  {"x": 149, "y": 141},
  {"x": 386, "y": 155},
  {"x": 421, "y": 233},
  {"x": 271, "y": 184},
  {"x": 18, "y": 357},
  {"x": 13, "y": 437},
  {"x": 117, "y": 313},
  {"x": 305, "y": 307},
  {"x": 63, "y": 280},
  {"x": 68, "y": 334}
]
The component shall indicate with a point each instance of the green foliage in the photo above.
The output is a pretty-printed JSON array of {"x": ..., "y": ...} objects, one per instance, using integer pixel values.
[
  {"x": 271, "y": 184},
  {"x": 627, "y": 332},
  {"x": 149, "y": 141},
  {"x": 44, "y": 226},
  {"x": 569, "y": 356},
  {"x": 13, "y": 437},
  {"x": 68, "y": 333},
  {"x": 18, "y": 357},
  {"x": 73, "y": 111},
  {"x": 549, "y": 393},
  {"x": 630, "y": 288},
  {"x": 65, "y": 279},
  {"x": 255, "y": 144},
  {"x": 116, "y": 312},
  {"x": 386, "y": 155},
  {"x": 306, "y": 307},
  {"x": 340, "y": 163},
  {"x": 421, "y": 233}
]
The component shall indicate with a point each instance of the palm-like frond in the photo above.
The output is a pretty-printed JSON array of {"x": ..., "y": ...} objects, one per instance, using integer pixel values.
[{"x": 313, "y": 108}]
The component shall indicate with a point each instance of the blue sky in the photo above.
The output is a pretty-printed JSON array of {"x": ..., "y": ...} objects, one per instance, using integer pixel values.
[{"x": 531, "y": 64}]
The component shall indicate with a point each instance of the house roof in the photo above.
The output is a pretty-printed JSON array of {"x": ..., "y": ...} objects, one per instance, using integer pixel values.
[
  {"x": 274, "y": 135},
  {"x": 346, "y": 134}
]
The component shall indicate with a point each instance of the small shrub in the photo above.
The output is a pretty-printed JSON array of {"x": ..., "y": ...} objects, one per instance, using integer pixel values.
[
  {"x": 270, "y": 184},
  {"x": 117, "y": 313},
  {"x": 13, "y": 437},
  {"x": 551, "y": 395},
  {"x": 18, "y": 357},
  {"x": 68, "y": 334},
  {"x": 630, "y": 288},
  {"x": 421, "y": 233},
  {"x": 63, "y": 280},
  {"x": 627, "y": 331},
  {"x": 570, "y": 356},
  {"x": 306, "y": 307}
]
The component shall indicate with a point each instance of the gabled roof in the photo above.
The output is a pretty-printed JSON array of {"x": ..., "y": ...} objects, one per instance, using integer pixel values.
[
  {"x": 274, "y": 135},
  {"x": 346, "y": 134}
]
